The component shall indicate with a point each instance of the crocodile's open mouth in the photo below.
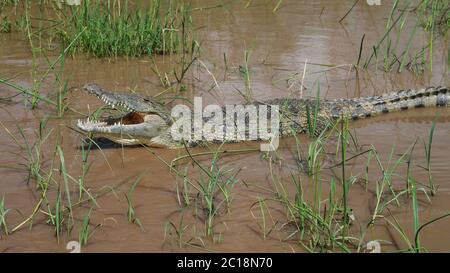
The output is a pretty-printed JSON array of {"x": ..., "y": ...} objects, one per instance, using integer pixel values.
[
  {"x": 109, "y": 124},
  {"x": 139, "y": 125}
]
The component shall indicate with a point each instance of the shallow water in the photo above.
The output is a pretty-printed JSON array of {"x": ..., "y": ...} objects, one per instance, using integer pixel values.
[{"x": 279, "y": 45}]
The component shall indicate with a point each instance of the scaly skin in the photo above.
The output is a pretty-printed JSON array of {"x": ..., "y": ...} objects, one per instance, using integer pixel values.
[{"x": 148, "y": 122}]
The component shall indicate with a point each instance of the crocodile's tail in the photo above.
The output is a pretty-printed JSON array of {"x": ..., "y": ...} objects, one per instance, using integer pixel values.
[{"x": 397, "y": 101}]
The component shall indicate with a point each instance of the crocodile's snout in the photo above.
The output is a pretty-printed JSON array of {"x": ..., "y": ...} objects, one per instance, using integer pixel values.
[{"x": 93, "y": 88}]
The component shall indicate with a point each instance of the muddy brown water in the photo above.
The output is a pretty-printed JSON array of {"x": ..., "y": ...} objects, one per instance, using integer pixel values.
[{"x": 279, "y": 44}]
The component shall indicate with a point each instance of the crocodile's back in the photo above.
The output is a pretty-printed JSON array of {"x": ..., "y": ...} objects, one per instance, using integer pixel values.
[
  {"x": 294, "y": 112},
  {"x": 396, "y": 101}
]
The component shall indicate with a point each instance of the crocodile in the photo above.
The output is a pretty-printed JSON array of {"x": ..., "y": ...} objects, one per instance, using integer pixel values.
[{"x": 147, "y": 121}]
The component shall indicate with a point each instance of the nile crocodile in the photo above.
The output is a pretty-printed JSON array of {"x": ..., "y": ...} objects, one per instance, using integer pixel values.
[{"x": 148, "y": 122}]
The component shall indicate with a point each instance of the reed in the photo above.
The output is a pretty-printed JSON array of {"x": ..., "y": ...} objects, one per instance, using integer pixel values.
[
  {"x": 131, "y": 212},
  {"x": 114, "y": 29},
  {"x": 3, "y": 212},
  {"x": 85, "y": 232},
  {"x": 427, "y": 146},
  {"x": 431, "y": 15}
]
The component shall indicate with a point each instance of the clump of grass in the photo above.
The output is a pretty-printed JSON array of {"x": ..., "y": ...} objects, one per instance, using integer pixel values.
[
  {"x": 5, "y": 25},
  {"x": 190, "y": 50},
  {"x": 35, "y": 89},
  {"x": 131, "y": 213},
  {"x": 385, "y": 184},
  {"x": 245, "y": 73},
  {"x": 328, "y": 225},
  {"x": 33, "y": 95},
  {"x": 265, "y": 227},
  {"x": 218, "y": 182},
  {"x": 85, "y": 232},
  {"x": 61, "y": 85},
  {"x": 3, "y": 212},
  {"x": 415, "y": 206},
  {"x": 27, "y": 92},
  {"x": 427, "y": 147},
  {"x": 313, "y": 228},
  {"x": 315, "y": 126},
  {"x": 55, "y": 200},
  {"x": 65, "y": 175},
  {"x": 113, "y": 29},
  {"x": 4, "y": 3},
  {"x": 55, "y": 213},
  {"x": 32, "y": 151},
  {"x": 431, "y": 14},
  {"x": 184, "y": 195},
  {"x": 179, "y": 234},
  {"x": 345, "y": 183},
  {"x": 85, "y": 165},
  {"x": 277, "y": 6},
  {"x": 59, "y": 210},
  {"x": 274, "y": 10},
  {"x": 436, "y": 21},
  {"x": 43, "y": 200},
  {"x": 179, "y": 231},
  {"x": 213, "y": 194}
]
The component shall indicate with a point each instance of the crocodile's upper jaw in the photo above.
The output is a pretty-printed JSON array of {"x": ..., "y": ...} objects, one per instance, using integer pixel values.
[{"x": 138, "y": 126}]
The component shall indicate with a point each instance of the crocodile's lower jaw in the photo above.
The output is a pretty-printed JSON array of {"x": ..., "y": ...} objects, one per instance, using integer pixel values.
[{"x": 126, "y": 141}]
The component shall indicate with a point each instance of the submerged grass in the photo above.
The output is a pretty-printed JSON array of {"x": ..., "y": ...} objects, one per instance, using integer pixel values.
[
  {"x": 431, "y": 15},
  {"x": 209, "y": 197},
  {"x": 85, "y": 166},
  {"x": 32, "y": 152},
  {"x": 245, "y": 73},
  {"x": 427, "y": 147},
  {"x": 5, "y": 24},
  {"x": 275, "y": 8},
  {"x": 3, "y": 212},
  {"x": 219, "y": 181},
  {"x": 131, "y": 213},
  {"x": 179, "y": 232},
  {"x": 55, "y": 195},
  {"x": 328, "y": 225},
  {"x": 345, "y": 183},
  {"x": 85, "y": 231},
  {"x": 264, "y": 226},
  {"x": 65, "y": 175},
  {"x": 33, "y": 94}
]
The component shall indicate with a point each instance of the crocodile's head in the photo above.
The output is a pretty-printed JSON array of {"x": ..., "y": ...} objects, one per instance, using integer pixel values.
[{"x": 144, "y": 122}]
